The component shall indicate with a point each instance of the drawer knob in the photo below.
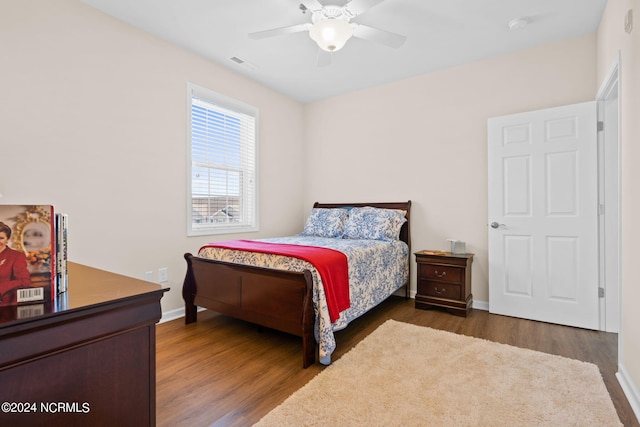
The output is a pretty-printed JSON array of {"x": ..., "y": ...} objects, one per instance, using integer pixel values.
[
  {"x": 439, "y": 292},
  {"x": 444, "y": 273}
]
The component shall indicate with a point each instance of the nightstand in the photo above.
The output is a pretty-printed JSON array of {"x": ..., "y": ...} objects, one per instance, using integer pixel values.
[{"x": 444, "y": 280}]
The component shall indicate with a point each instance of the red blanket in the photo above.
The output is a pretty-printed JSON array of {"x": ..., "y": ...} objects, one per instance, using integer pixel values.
[{"x": 331, "y": 265}]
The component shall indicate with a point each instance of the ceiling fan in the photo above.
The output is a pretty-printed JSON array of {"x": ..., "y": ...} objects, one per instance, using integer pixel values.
[{"x": 331, "y": 27}]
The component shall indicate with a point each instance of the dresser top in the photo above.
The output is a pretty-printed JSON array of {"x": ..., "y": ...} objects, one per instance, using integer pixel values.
[
  {"x": 443, "y": 254},
  {"x": 88, "y": 288}
]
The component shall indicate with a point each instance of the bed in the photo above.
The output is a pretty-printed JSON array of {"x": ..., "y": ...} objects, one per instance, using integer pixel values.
[{"x": 245, "y": 280}]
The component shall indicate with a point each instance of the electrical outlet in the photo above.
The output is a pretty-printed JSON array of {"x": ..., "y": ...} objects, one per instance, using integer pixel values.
[
  {"x": 148, "y": 276},
  {"x": 163, "y": 275}
]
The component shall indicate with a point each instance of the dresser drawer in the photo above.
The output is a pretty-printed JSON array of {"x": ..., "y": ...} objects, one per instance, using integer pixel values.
[
  {"x": 439, "y": 272},
  {"x": 439, "y": 289}
]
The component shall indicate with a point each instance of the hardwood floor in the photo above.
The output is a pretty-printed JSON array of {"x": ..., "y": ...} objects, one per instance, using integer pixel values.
[{"x": 224, "y": 372}]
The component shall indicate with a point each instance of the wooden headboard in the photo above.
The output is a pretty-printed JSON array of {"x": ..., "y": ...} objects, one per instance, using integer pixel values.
[{"x": 405, "y": 235}]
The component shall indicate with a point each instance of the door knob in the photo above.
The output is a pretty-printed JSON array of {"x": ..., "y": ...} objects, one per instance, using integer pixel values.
[{"x": 495, "y": 224}]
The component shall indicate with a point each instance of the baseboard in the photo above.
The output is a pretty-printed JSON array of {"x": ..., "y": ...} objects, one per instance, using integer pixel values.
[
  {"x": 480, "y": 305},
  {"x": 168, "y": 316},
  {"x": 630, "y": 390}
]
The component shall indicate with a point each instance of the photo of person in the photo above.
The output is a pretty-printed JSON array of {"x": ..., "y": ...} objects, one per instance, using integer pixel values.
[
  {"x": 13, "y": 268},
  {"x": 27, "y": 260}
]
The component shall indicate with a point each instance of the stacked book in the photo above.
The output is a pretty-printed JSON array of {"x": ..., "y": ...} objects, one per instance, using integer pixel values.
[{"x": 62, "y": 278}]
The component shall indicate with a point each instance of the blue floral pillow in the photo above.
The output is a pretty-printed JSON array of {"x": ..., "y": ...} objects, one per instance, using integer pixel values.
[
  {"x": 326, "y": 222},
  {"x": 374, "y": 223}
]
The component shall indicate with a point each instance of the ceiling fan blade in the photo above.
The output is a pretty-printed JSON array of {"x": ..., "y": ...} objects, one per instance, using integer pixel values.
[
  {"x": 379, "y": 36},
  {"x": 312, "y": 5},
  {"x": 356, "y": 7},
  {"x": 279, "y": 31},
  {"x": 324, "y": 58}
]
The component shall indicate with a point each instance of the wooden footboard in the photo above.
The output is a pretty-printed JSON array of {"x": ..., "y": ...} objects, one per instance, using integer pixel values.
[{"x": 276, "y": 299}]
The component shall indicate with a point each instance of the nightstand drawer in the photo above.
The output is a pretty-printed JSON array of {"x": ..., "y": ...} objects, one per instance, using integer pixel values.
[
  {"x": 439, "y": 272},
  {"x": 439, "y": 289}
]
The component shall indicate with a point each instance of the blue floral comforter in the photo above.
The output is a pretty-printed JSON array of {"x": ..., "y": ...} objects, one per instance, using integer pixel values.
[{"x": 377, "y": 269}]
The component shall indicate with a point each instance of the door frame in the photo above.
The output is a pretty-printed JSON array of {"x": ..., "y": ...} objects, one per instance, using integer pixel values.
[{"x": 609, "y": 232}]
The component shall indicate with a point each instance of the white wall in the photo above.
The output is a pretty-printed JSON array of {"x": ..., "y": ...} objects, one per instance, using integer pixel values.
[
  {"x": 424, "y": 139},
  {"x": 92, "y": 114},
  {"x": 93, "y": 121},
  {"x": 612, "y": 39}
]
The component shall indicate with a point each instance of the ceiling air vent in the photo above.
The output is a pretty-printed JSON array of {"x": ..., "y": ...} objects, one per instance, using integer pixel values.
[{"x": 246, "y": 64}]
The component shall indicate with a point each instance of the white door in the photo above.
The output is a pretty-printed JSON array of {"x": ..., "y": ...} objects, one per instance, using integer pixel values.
[{"x": 543, "y": 215}]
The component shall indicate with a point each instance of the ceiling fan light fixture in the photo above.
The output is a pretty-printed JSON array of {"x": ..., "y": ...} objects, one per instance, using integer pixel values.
[
  {"x": 518, "y": 24},
  {"x": 331, "y": 34}
]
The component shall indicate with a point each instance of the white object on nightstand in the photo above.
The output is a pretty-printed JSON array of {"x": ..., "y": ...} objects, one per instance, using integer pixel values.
[{"x": 457, "y": 247}]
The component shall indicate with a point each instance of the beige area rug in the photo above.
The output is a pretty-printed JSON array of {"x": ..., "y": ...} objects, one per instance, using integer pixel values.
[{"x": 407, "y": 375}]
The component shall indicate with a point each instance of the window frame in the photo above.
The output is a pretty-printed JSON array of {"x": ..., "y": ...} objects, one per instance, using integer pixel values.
[{"x": 249, "y": 193}]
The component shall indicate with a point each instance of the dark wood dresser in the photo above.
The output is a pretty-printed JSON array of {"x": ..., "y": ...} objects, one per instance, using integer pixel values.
[
  {"x": 444, "y": 280},
  {"x": 86, "y": 359}
]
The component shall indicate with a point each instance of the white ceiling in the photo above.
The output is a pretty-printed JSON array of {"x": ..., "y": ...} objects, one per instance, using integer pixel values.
[{"x": 440, "y": 34}]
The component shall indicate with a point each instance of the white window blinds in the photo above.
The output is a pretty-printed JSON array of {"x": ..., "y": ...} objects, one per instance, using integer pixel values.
[{"x": 222, "y": 167}]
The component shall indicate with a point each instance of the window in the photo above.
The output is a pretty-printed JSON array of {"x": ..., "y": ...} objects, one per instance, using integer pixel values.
[{"x": 222, "y": 194}]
